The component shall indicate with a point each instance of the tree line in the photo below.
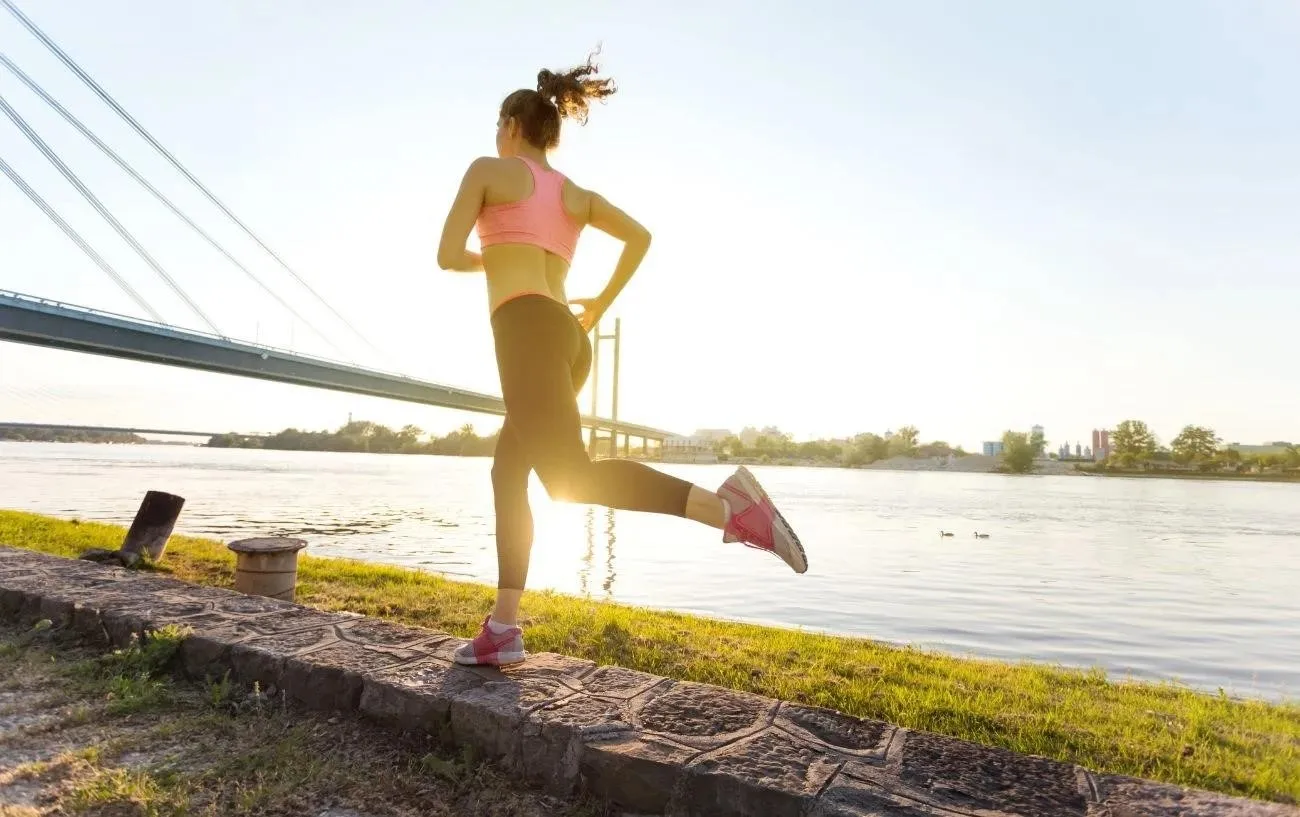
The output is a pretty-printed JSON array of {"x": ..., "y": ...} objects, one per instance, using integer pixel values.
[
  {"x": 1134, "y": 446},
  {"x": 861, "y": 449},
  {"x": 367, "y": 437},
  {"x": 59, "y": 435}
]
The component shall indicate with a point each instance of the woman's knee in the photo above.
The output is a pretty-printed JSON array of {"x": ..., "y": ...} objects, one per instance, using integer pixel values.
[{"x": 567, "y": 480}]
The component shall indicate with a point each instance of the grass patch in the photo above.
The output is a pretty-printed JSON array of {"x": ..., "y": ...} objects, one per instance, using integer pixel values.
[
  {"x": 1159, "y": 731},
  {"x": 134, "y": 678}
]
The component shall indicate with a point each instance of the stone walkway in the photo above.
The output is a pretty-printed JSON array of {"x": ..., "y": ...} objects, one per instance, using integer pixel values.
[{"x": 651, "y": 745}]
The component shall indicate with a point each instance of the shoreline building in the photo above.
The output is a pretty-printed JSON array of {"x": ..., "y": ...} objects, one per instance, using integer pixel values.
[
  {"x": 1100, "y": 444},
  {"x": 688, "y": 449}
]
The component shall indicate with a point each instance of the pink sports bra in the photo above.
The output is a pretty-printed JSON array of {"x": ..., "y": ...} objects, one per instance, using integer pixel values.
[{"x": 539, "y": 219}]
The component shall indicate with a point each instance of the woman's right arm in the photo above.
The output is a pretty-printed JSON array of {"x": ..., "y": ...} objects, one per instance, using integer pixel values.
[
  {"x": 452, "y": 254},
  {"x": 636, "y": 241}
]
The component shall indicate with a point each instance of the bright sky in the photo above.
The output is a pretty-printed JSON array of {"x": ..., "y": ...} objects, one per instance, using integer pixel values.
[{"x": 966, "y": 217}]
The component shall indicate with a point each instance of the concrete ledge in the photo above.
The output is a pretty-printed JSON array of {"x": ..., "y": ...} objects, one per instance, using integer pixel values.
[{"x": 651, "y": 745}]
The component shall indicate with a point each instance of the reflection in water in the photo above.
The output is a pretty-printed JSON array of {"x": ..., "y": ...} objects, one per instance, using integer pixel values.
[
  {"x": 589, "y": 555},
  {"x": 609, "y": 553},
  {"x": 584, "y": 572}
]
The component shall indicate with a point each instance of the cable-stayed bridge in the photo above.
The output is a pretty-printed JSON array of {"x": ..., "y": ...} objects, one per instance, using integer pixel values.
[{"x": 34, "y": 320}]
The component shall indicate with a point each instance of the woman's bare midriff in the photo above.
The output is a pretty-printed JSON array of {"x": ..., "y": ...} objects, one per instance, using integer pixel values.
[{"x": 515, "y": 269}]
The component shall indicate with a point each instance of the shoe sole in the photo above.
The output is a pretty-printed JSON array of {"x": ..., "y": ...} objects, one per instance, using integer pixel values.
[
  {"x": 751, "y": 483},
  {"x": 504, "y": 659}
]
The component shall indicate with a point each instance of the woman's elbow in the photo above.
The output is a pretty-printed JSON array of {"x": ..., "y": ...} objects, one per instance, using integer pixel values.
[
  {"x": 642, "y": 239},
  {"x": 446, "y": 260}
]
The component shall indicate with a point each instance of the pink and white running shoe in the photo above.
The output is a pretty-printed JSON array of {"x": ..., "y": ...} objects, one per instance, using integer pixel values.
[
  {"x": 756, "y": 522},
  {"x": 493, "y": 649}
]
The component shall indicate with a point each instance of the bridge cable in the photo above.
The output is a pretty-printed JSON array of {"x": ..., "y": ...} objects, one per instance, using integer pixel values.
[
  {"x": 90, "y": 197},
  {"x": 112, "y": 103},
  {"x": 71, "y": 233},
  {"x": 71, "y": 119}
]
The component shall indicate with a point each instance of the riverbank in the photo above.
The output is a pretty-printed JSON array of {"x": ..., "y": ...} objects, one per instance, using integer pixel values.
[
  {"x": 1191, "y": 475},
  {"x": 1158, "y": 731}
]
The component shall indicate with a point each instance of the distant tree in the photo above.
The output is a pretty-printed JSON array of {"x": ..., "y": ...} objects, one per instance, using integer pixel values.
[
  {"x": 938, "y": 448},
  {"x": 1132, "y": 443},
  {"x": 903, "y": 443},
  {"x": 866, "y": 449},
  {"x": 1018, "y": 452},
  {"x": 1292, "y": 456},
  {"x": 1038, "y": 443},
  {"x": 819, "y": 450},
  {"x": 1228, "y": 458},
  {"x": 1195, "y": 444}
]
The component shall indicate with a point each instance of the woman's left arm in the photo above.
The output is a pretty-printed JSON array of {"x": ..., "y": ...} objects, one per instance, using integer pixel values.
[{"x": 452, "y": 254}]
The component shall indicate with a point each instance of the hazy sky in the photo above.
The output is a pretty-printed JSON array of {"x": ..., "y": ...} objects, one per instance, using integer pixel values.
[{"x": 967, "y": 217}]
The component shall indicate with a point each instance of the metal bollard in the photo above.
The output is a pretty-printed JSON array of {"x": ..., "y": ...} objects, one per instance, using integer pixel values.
[{"x": 267, "y": 566}]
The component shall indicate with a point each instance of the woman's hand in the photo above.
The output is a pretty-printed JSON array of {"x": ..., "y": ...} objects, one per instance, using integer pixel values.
[{"x": 592, "y": 310}]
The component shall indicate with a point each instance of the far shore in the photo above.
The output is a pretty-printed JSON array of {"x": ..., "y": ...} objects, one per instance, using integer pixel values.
[{"x": 969, "y": 464}]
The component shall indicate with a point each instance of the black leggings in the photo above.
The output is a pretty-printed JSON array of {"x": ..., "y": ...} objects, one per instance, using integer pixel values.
[{"x": 544, "y": 357}]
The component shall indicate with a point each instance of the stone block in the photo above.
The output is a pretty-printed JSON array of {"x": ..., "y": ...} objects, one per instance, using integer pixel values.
[
  {"x": 848, "y": 797},
  {"x": 17, "y": 604},
  {"x": 767, "y": 775},
  {"x": 58, "y": 609},
  {"x": 552, "y": 738},
  {"x": 704, "y": 716},
  {"x": 855, "y": 737},
  {"x": 333, "y": 676},
  {"x": 123, "y": 626},
  {"x": 620, "y": 683},
  {"x": 381, "y": 636},
  {"x": 487, "y": 717},
  {"x": 206, "y": 655},
  {"x": 966, "y": 776},
  {"x": 636, "y": 771},
  {"x": 1130, "y": 797},
  {"x": 260, "y": 663},
  {"x": 242, "y": 606},
  {"x": 417, "y": 695}
]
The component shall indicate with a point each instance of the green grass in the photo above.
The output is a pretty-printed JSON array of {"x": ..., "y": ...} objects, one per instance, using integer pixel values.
[{"x": 1159, "y": 731}]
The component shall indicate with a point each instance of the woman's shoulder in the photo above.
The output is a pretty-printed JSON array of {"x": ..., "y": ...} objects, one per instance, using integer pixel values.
[{"x": 488, "y": 165}]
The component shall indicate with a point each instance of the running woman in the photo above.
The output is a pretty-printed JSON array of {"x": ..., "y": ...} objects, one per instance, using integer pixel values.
[{"x": 529, "y": 216}]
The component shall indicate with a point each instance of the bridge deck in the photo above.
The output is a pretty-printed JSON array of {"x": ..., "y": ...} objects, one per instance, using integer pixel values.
[{"x": 38, "y": 322}]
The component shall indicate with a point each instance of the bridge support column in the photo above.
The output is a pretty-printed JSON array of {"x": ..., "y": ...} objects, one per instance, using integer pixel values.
[{"x": 593, "y": 445}]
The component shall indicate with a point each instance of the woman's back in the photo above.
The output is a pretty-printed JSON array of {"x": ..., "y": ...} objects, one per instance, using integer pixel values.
[
  {"x": 529, "y": 216},
  {"x": 529, "y": 225}
]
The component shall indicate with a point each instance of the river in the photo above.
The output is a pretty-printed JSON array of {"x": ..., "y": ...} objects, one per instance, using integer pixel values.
[{"x": 1195, "y": 581}]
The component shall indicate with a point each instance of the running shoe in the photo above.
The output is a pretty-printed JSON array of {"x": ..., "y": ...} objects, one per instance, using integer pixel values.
[
  {"x": 493, "y": 649},
  {"x": 756, "y": 523}
]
